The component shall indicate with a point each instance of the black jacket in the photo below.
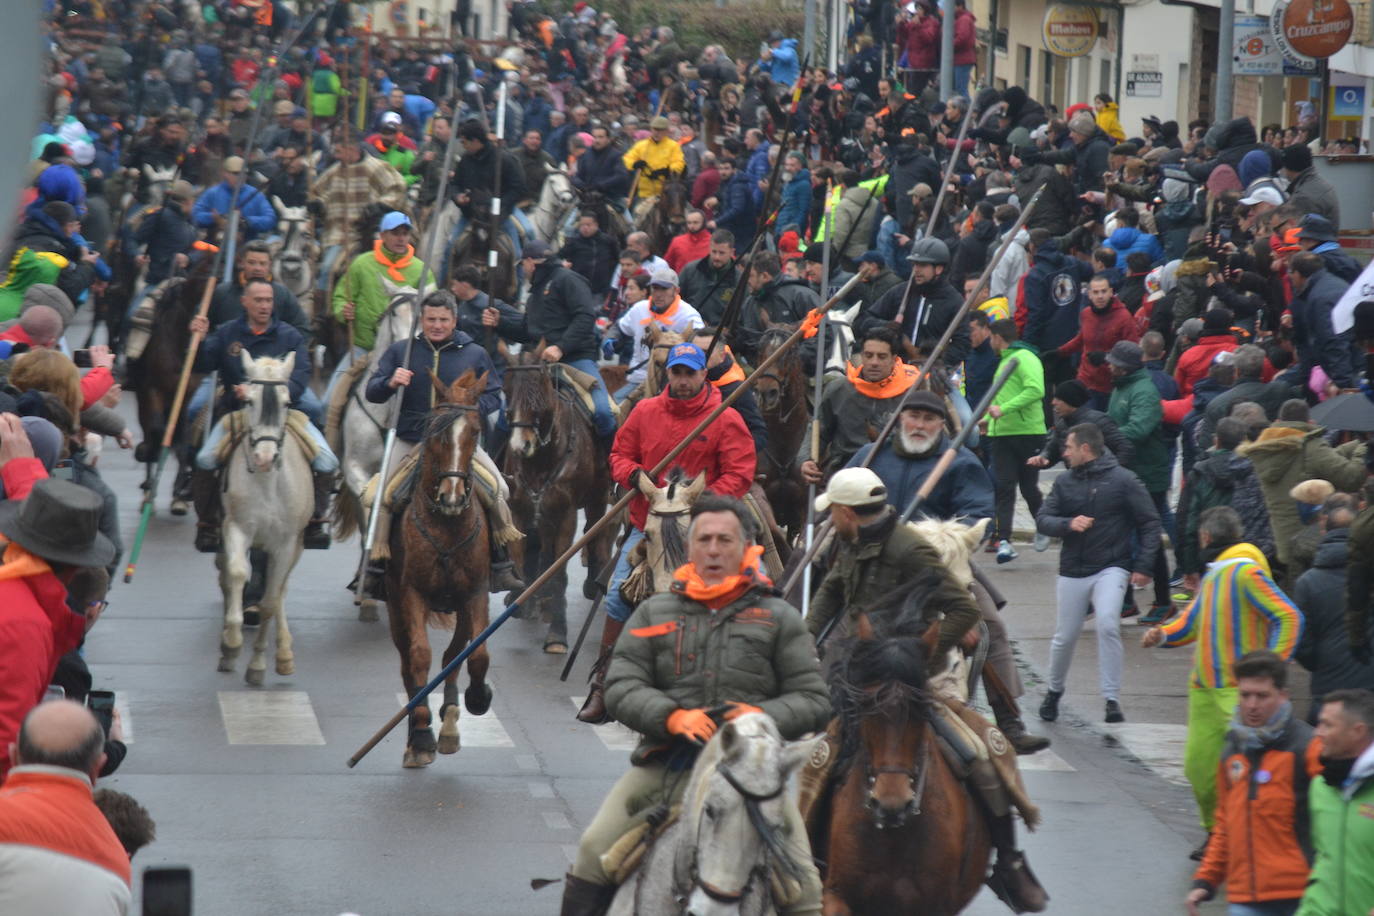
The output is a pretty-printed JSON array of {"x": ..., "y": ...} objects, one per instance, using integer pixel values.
[
  {"x": 510, "y": 326},
  {"x": 39, "y": 232},
  {"x": 1052, "y": 295},
  {"x": 1317, "y": 342},
  {"x": 1088, "y": 158},
  {"x": 561, "y": 311},
  {"x": 221, "y": 353},
  {"x": 1324, "y": 648},
  {"x": 786, "y": 301},
  {"x": 164, "y": 235},
  {"x": 593, "y": 259},
  {"x": 475, "y": 175},
  {"x": 1117, "y": 502},
  {"x": 1057, "y": 210},
  {"x": 604, "y": 171},
  {"x": 449, "y": 361},
  {"x": 936, "y": 304},
  {"x": 910, "y": 167},
  {"x": 226, "y": 305},
  {"x": 972, "y": 253},
  {"x": 707, "y": 289},
  {"x": 1118, "y": 444}
]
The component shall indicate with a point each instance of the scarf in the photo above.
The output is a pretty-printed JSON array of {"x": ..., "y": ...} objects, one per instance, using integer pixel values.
[
  {"x": 1254, "y": 738},
  {"x": 902, "y": 378},
  {"x": 666, "y": 316},
  {"x": 688, "y": 582},
  {"x": 18, "y": 563},
  {"x": 393, "y": 268}
]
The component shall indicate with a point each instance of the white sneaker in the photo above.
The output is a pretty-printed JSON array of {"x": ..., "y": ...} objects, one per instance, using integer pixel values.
[
  {"x": 1042, "y": 542},
  {"x": 1005, "y": 553}
]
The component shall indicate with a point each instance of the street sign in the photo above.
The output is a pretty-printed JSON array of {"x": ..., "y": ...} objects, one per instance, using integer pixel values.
[
  {"x": 1145, "y": 84},
  {"x": 1255, "y": 52}
]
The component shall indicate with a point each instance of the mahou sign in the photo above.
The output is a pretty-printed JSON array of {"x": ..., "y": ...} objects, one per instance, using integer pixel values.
[
  {"x": 1317, "y": 28},
  {"x": 1070, "y": 31}
]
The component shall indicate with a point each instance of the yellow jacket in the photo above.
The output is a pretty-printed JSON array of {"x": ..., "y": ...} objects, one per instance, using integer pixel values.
[
  {"x": 655, "y": 156},
  {"x": 1109, "y": 122}
]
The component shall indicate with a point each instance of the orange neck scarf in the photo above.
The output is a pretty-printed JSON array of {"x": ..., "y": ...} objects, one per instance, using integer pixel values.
[
  {"x": 666, "y": 316},
  {"x": 395, "y": 267},
  {"x": 18, "y": 563},
  {"x": 687, "y": 581},
  {"x": 902, "y": 378},
  {"x": 730, "y": 376}
]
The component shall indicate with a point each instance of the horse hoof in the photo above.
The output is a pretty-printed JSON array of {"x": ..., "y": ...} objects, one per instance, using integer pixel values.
[
  {"x": 367, "y": 611},
  {"x": 477, "y": 698},
  {"x": 226, "y": 662},
  {"x": 179, "y": 507},
  {"x": 590, "y": 589},
  {"x": 555, "y": 645},
  {"x": 255, "y": 676},
  {"x": 449, "y": 741},
  {"x": 286, "y": 666},
  {"x": 414, "y": 760}
]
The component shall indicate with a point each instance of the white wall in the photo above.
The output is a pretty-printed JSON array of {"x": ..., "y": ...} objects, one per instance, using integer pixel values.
[{"x": 1167, "y": 32}]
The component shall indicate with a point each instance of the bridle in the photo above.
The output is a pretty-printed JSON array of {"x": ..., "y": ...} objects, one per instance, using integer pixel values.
[
  {"x": 541, "y": 436},
  {"x": 784, "y": 386},
  {"x": 431, "y": 501},
  {"x": 916, "y": 779},
  {"x": 278, "y": 438}
]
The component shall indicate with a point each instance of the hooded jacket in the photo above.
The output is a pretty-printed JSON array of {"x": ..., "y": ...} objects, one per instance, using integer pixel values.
[
  {"x": 1050, "y": 298},
  {"x": 1099, "y": 331},
  {"x": 1128, "y": 239},
  {"x": 853, "y": 218},
  {"x": 1314, "y": 194},
  {"x": 1342, "y": 878},
  {"x": 448, "y": 361},
  {"x": 796, "y": 204},
  {"x": 602, "y": 170},
  {"x": 1007, "y": 273},
  {"x": 1021, "y": 399},
  {"x": 560, "y": 310},
  {"x": 1317, "y": 341},
  {"x": 920, "y": 42},
  {"x": 1191, "y": 290},
  {"x": 910, "y": 167},
  {"x": 1119, "y": 507},
  {"x": 1135, "y": 407},
  {"x": 1194, "y": 362},
  {"x": 935, "y": 304}
]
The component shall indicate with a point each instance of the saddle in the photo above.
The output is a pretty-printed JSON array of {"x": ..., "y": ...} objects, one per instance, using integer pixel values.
[
  {"x": 236, "y": 427},
  {"x": 577, "y": 383},
  {"x": 141, "y": 321}
]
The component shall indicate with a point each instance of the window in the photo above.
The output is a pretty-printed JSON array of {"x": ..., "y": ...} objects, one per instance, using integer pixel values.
[
  {"x": 1023, "y": 65},
  {"x": 1047, "y": 77},
  {"x": 1104, "y": 82}
]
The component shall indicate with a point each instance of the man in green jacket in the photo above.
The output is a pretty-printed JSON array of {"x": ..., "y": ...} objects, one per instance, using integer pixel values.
[
  {"x": 1016, "y": 431},
  {"x": 718, "y": 639},
  {"x": 1342, "y": 880}
]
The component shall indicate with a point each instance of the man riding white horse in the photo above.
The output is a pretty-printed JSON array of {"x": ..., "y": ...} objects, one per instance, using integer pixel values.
[
  {"x": 258, "y": 333},
  {"x": 441, "y": 353},
  {"x": 689, "y": 655}
]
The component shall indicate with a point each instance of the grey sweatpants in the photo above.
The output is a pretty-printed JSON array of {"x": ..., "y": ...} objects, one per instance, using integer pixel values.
[{"x": 1103, "y": 592}]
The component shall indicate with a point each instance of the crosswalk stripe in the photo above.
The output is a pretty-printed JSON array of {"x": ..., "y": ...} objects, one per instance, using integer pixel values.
[
  {"x": 473, "y": 731},
  {"x": 1045, "y": 761},
  {"x": 1159, "y": 746},
  {"x": 615, "y": 736},
  {"x": 269, "y": 717}
]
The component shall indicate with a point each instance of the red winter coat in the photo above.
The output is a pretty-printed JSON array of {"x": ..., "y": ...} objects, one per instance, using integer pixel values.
[
  {"x": 921, "y": 41},
  {"x": 686, "y": 248},
  {"x": 36, "y": 626},
  {"x": 1096, "y": 334},
  {"x": 1197, "y": 359},
  {"x": 725, "y": 451},
  {"x": 965, "y": 39}
]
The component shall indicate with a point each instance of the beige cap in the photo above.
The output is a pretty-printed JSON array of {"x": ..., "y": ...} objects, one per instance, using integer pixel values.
[
  {"x": 659, "y": 123},
  {"x": 852, "y": 487},
  {"x": 283, "y": 106},
  {"x": 234, "y": 164}
]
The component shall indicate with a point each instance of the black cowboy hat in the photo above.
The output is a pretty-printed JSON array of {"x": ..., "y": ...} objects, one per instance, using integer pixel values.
[{"x": 59, "y": 521}]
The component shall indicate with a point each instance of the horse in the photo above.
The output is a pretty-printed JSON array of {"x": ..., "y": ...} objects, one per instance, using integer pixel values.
[
  {"x": 296, "y": 256},
  {"x": 111, "y": 300},
  {"x": 473, "y": 246},
  {"x": 556, "y": 197},
  {"x": 331, "y": 334},
  {"x": 668, "y": 215},
  {"x": 724, "y": 852},
  {"x": 609, "y": 218},
  {"x": 901, "y": 832},
  {"x": 781, "y": 392},
  {"x": 555, "y": 466},
  {"x": 267, "y": 502},
  {"x": 439, "y": 566}
]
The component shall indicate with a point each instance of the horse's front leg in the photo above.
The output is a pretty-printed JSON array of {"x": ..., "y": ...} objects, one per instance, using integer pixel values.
[
  {"x": 233, "y": 560},
  {"x": 449, "y": 741},
  {"x": 477, "y": 698},
  {"x": 413, "y": 643},
  {"x": 274, "y": 604}
]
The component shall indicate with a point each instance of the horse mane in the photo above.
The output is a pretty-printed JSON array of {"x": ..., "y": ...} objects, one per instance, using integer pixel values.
[
  {"x": 271, "y": 406},
  {"x": 526, "y": 394}
]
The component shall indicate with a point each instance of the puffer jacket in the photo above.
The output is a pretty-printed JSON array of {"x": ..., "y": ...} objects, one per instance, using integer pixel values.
[
  {"x": 1194, "y": 362},
  {"x": 1119, "y": 506},
  {"x": 1117, "y": 444},
  {"x": 1050, "y": 297},
  {"x": 1211, "y": 483},
  {"x": 1325, "y": 645},
  {"x": 1342, "y": 879},
  {"x": 1135, "y": 407},
  {"x": 678, "y": 653},
  {"x": 796, "y": 204},
  {"x": 1286, "y": 454},
  {"x": 447, "y": 361},
  {"x": 1192, "y": 294},
  {"x": 1129, "y": 239},
  {"x": 1099, "y": 331}
]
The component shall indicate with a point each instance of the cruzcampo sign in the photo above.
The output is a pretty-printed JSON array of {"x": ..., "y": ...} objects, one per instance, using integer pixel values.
[
  {"x": 1315, "y": 28},
  {"x": 1070, "y": 31}
]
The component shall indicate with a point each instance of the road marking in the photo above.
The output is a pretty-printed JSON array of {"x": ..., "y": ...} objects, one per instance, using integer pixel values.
[
  {"x": 1159, "y": 746},
  {"x": 540, "y": 790},
  {"x": 556, "y": 820},
  {"x": 527, "y": 762},
  {"x": 473, "y": 731},
  {"x": 269, "y": 717},
  {"x": 126, "y": 721},
  {"x": 615, "y": 736},
  {"x": 1045, "y": 761}
]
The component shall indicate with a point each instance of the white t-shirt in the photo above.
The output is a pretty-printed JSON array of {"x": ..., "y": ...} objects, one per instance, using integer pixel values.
[{"x": 635, "y": 322}]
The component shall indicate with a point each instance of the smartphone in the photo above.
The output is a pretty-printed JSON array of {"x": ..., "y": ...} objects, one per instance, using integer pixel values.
[
  {"x": 167, "y": 891},
  {"x": 102, "y": 704},
  {"x": 82, "y": 358}
]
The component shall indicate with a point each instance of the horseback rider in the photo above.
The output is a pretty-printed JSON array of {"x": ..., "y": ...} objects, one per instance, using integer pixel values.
[
  {"x": 656, "y": 159},
  {"x": 773, "y": 295},
  {"x": 689, "y": 651},
  {"x": 466, "y": 285},
  {"x": 361, "y": 297},
  {"x": 255, "y": 263},
  {"x": 601, "y": 169},
  {"x": 877, "y": 558},
  {"x": 258, "y": 333},
  {"x": 561, "y": 312},
  {"x": 664, "y": 308},
  {"x": 964, "y": 492},
  {"x": 853, "y": 408},
  {"x": 445, "y": 352},
  {"x": 725, "y": 451},
  {"x": 474, "y": 183},
  {"x": 341, "y": 194}
]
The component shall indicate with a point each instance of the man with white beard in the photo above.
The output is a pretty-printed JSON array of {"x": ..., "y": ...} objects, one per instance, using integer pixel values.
[{"x": 964, "y": 492}]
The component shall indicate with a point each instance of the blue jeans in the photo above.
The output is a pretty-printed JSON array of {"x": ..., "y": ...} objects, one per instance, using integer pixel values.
[
  {"x": 616, "y": 606},
  {"x": 961, "y": 74},
  {"x": 965, "y": 412},
  {"x": 603, "y": 418},
  {"x": 325, "y": 462},
  {"x": 890, "y": 250},
  {"x": 1266, "y": 908}
]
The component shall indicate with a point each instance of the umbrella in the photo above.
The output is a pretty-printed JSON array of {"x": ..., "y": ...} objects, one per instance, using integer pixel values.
[{"x": 1351, "y": 412}]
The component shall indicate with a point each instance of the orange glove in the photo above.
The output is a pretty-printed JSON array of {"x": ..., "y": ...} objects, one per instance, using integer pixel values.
[
  {"x": 693, "y": 724},
  {"x": 739, "y": 709},
  {"x": 811, "y": 323}
]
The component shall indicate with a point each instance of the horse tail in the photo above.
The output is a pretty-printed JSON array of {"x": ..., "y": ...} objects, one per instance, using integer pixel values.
[
  {"x": 347, "y": 515},
  {"x": 441, "y": 621}
]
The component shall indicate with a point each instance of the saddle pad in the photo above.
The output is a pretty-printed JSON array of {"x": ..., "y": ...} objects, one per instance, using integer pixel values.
[
  {"x": 236, "y": 425},
  {"x": 338, "y": 403},
  {"x": 975, "y": 738},
  {"x": 625, "y": 854},
  {"x": 578, "y": 383}
]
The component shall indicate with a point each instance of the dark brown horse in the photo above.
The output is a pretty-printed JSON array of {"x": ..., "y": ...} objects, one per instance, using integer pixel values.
[
  {"x": 781, "y": 394},
  {"x": 472, "y": 248},
  {"x": 668, "y": 216},
  {"x": 556, "y": 467},
  {"x": 439, "y": 568},
  {"x": 901, "y": 833}
]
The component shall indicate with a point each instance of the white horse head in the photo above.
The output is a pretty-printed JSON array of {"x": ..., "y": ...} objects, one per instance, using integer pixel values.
[
  {"x": 839, "y": 337},
  {"x": 398, "y": 319},
  {"x": 665, "y": 528},
  {"x": 955, "y": 542},
  {"x": 556, "y": 197},
  {"x": 159, "y": 180},
  {"x": 268, "y": 400}
]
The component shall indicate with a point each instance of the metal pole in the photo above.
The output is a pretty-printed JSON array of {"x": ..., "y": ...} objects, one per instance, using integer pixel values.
[
  {"x": 828, "y": 223},
  {"x": 1225, "y": 58},
  {"x": 492, "y": 255},
  {"x": 809, "y": 29},
  {"x": 947, "y": 49},
  {"x": 834, "y": 37}
]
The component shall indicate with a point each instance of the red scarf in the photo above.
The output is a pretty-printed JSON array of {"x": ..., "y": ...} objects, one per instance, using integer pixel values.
[
  {"x": 395, "y": 267},
  {"x": 902, "y": 378},
  {"x": 688, "y": 582}
]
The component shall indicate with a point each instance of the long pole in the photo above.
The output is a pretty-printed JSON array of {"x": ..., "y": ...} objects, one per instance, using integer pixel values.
[
  {"x": 1226, "y": 40},
  {"x": 816, "y": 398},
  {"x": 221, "y": 257},
  {"x": 495, "y": 217},
  {"x": 947, "y": 49},
  {"x": 611, "y": 516}
]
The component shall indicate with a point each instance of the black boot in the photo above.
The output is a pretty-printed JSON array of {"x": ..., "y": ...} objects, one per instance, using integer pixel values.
[
  {"x": 181, "y": 490},
  {"x": 317, "y": 531},
  {"x": 1012, "y": 880},
  {"x": 503, "y": 577},
  {"x": 1009, "y": 721},
  {"x": 593, "y": 710},
  {"x": 1049, "y": 708},
  {"x": 583, "y": 898},
  {"x": 205, "y": 493}
]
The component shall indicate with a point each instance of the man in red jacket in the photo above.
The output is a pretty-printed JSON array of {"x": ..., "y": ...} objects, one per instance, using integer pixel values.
[
  {"x": 965, "y": 46},
  {"x": 918, "y": 37},
  {"x": 50, "y": 528},
  {"x": 725, "y": 451},
  {"x": 692, "y": 245},
  {"x": 1101, "y": 324},
  {"x": 1216, "y": 337}
]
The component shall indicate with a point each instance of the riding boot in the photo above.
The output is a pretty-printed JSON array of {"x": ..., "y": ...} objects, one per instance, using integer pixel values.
[
  {"x": 1009, "y": 721},
  {"x": 181, "y": 490},
  {"x": 583, "y": 898},
  {"x": 205, "y": 494},
  {"x": 593, "y": 710},
  {"x": 317, "y": 532},
  {"x": 1012, "y": 880},
  {"x": 503, "y": 576}
]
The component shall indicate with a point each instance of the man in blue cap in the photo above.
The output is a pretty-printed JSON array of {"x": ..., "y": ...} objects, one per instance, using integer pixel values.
[{"x": 724, "y": 451}]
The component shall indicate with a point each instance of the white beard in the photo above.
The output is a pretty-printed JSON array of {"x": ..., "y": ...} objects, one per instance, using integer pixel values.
[{"x": 918, "y": 445}]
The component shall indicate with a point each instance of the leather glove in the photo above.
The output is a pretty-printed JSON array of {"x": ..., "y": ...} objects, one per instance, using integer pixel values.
[
  {"x": 661, "y": 174},
  {"x": 634, "y": 477},
  {"x": 693, "y": 724},
  {"x": 641, "y": 165},
  {"x": 1097, "y": 358},
  {"x": 734, "y": 710}
]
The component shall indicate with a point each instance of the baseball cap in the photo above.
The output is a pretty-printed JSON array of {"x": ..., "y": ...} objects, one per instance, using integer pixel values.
[
  {"x": 687, "y": 354},
  {"x": 391, "y": 119},
  {"x": 664, "y": 276},
  {"x": 394, "y": 220},
  {"x": 536, "y": 249},
  {"x": 234, "y": 164},
  {"x": 1126, "y": 354},
  {"x": 238, "y": 94},
  {"x": 1263, "y": 195},
  {"x": 284, "y": 106},
  {"x": 852, "y": 487}
]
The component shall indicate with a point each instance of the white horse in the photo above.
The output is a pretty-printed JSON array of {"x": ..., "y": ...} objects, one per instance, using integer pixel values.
[
  {"x": 716, "y": 857},
  {"x": 955, "y": 542},
  {"x": 268, "y": 500},
  {"x": 556, "y": 198},
  {"x": 839, "y": 338},
  {"x": 293, "y": 263}
]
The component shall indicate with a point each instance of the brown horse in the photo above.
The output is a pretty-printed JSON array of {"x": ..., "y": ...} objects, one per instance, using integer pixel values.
[
  {"x": 902, "y": 834},
  {"x": 555, "y": 467},
  {"x": 668, "y": 216},
  {"x": 781, "y": 394},
  {"x": 472, "y": 248},
  {"x": 439, "y": 568}
]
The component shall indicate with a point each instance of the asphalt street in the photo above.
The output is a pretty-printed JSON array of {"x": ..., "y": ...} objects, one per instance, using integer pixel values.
[{"x": 249, "y": 786}]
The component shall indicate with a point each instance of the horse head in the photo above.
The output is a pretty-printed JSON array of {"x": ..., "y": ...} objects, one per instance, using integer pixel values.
[
  {"x": 397, "y": 322},
  {"x": 659, "y": 340},
  {"x": 450, "y": 440},
  {"x": 955, "y": 542},
  {"x": 266, "y": 379},
  {"x": 159, "y": 180},
  {"x": 673, "y": 202},
  {"x": 665, "y": 527},
  {"x": 840, "y": 337},
  {"x": 780, "y": 384},
  {"x": 531, "y": 400},
  {"x": 732, "y": 811}
]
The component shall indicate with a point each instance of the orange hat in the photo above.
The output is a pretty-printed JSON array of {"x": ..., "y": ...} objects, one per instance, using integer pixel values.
[{"x": 1290, "y": 241}]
